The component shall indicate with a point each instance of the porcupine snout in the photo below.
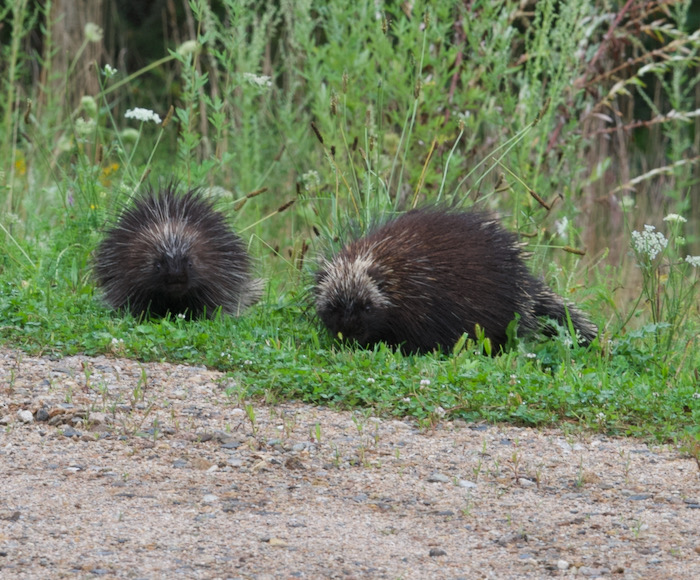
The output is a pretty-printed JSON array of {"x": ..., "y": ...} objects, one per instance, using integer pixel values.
[{"x": 175, "y": 273}]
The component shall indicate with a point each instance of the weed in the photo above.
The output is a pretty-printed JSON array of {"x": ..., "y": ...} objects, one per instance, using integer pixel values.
[{"x": 250, "y": 413}]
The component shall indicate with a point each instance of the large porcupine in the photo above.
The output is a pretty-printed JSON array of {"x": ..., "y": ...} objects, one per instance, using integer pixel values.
[
  {"x": 423, "y": 279},
  {"x": 173, "y": 252}
]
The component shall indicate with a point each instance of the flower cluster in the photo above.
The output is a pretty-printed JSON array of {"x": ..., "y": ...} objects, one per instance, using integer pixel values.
[
  {"x": 142, "y": 115},
  {"x": 649, "y": 242},
  {"x": 694, "y": 261},
  {"x": 675, "y": 218},
  {"x": 261, "y": 81},
  {"x": 311, "y": 180},
  {"x": 93, "y": 33},
  {"x": 109, "y": 71}
]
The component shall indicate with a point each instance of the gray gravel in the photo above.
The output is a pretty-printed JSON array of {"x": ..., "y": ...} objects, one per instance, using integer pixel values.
[{"x": 111, "y": 478}]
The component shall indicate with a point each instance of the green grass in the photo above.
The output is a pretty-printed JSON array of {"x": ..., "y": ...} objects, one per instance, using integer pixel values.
[{"x": 490, "y": 108}]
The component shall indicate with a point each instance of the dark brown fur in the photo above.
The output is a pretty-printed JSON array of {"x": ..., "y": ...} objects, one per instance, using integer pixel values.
[
  {"x": 172, "y": 252},
  {"x": 423, "y": 279}
]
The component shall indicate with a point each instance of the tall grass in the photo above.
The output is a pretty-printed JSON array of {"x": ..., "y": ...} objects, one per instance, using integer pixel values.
[{"x": 578, "y": 122}]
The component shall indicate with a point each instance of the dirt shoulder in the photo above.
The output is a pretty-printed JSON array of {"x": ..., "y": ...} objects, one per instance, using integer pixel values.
[{"x": 98, "y": 480}]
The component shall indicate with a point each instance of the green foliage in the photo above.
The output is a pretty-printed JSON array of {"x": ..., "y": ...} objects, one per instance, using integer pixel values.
[{"x": 353, "y": 111}]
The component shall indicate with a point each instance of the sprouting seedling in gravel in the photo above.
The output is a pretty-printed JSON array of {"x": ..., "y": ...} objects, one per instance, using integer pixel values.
[
  {"x": 483, "y": 446},
  {"x": 11, "y": 383},
  {"x": 235, "y": 394},
  {"x": 87, "y": 371},
  {"x": 155, "y": 428},
  {"x": 103, "y": 390},
  {"x": 580, "y": 479},
  {"x": 638, "y": 527},
  {"x": 468, "y": 505},
  {"x": 316, "y": 432},
  {"x": 250, "y": 413},
  {"x": 538, "y": 475},
  {"x": 628, "y": 464},
  {"x": 496, "y": 470},
  {"x": 139, "y": 391},
  {"x": 476, "y": 470},
  {"x": 336, "y": 456},
  {"x": 289, "y": 422},
  {"x": 515, "y": 464},
  {"x": 359, "y": 424}
]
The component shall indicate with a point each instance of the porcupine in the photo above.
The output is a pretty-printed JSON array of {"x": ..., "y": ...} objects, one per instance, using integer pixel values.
[
  {"x": 173, "y": 252},
  {"x": 423, "y": 279}
]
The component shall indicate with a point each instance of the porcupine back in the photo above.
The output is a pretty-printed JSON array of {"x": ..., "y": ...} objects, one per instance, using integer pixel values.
[
  {"x": 426, "y": 277},
  {"x": 172, "y": 252}
]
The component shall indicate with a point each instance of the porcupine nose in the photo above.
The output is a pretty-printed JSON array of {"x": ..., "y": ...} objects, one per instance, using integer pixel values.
[{"x": 177, "y": 276}]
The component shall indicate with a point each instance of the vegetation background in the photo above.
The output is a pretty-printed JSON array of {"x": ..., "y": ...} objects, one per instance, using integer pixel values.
[{"x": 577, "y": 121}]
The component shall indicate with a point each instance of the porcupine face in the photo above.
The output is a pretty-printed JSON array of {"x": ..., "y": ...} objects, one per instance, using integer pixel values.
[
  {"x": 173, "y": 274},
  {"x": 174, "y": 253},
  {"x": 349, "y": 299}
]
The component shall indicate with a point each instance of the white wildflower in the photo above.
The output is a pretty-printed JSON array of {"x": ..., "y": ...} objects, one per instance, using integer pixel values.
[
  {"x": 93, "y": 33},
  {"x": 84, "y": 128},
  {"x": 675, "y": 218},
  {"x": 694, "y": 261},
  {"x": 261, "y": 81},
  {"x": 600, "y": 416},
  {"x": 311, "y": 180},
  {"x": 696, "y": 395},
  {"x": 89, "y": 105},
  {"x": 424, "y": 382},
  {"x": 406, "y": 399},
  {"x": 109, "y": 71},
  {"x": 370, "y": 380},
  {"x": 142, "y": 115},
  {"x": 649, "y": 242},
  {"x": 627, "y": 202},
  {"x": 247, "y": 362},
  {"x": 439, "y": 411},
  {"x": 562, "y": 226},
  {"x": 531, "y": 355},
  {"x": 189, "y": 47},
  {"x": 181, "y": 316}
]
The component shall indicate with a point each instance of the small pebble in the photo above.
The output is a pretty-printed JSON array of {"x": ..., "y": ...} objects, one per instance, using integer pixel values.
[
  {"x": 525, "y": 482},
  {"x": 438, "y": 478},
  {"x": 70, "y": 432},
  {"x": 25, "y": 416},
  {"x": 434, "y": 552}
]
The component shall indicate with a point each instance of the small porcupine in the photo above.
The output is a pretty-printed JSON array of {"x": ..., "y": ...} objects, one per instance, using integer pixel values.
[
  {"x": 172, "y": 252},
  {"x": 423, "y": 279}
]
